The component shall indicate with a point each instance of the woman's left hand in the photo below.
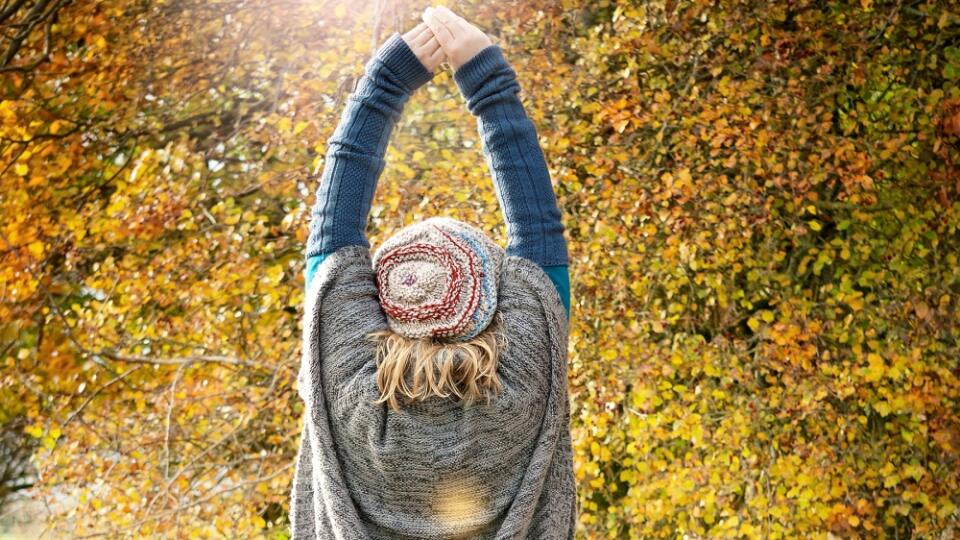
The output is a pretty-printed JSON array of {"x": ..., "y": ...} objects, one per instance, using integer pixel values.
[
  {"x": 424, "y": 44},
  {"x": 459, "y": 39}
]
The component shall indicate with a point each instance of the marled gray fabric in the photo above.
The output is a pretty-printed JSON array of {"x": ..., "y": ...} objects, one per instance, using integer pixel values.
[{"x": 434, "y": 469}]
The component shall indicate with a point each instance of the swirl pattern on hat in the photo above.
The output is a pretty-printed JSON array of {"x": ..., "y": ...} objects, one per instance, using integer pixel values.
[{"x": 438, "y": 278}]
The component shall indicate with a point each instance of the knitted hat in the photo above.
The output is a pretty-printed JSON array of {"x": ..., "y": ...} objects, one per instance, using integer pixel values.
[{"x": 438, "y": 278}]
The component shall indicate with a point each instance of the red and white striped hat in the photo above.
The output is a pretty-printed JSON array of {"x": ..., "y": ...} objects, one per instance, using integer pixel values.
[{"x": 439, "y": 278}]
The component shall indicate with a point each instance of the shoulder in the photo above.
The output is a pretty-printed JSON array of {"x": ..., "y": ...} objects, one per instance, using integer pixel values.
[
  {"x": 521, "y": 270},
  {"x": 343, "y": 286},
  {"x": 341, "y": 308},
  {"x": 344, "y": 264},
  {"x": 527, "y": 290}
]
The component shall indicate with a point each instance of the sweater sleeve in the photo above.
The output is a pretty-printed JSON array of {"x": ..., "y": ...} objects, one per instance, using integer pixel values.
[
  {"x": 517, "y": 164},
  {"x": 356, "y": 149}
]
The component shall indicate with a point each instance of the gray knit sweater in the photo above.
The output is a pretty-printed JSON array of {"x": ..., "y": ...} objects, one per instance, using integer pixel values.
[{"x": 435, "y": 469}]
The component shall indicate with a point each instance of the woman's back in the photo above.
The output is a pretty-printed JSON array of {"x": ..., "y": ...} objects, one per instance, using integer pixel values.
[{"x": 436, "y": 468}]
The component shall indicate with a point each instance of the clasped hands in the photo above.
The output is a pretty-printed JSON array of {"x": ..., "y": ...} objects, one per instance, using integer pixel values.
[{"x": 445, "y": 36}]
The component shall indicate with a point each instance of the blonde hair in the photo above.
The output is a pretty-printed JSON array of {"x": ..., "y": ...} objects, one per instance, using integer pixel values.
[{"x": 467, "y": 369}]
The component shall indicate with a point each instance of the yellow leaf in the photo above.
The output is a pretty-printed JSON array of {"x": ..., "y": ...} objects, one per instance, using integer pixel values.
[
  {"x": 882, "y": 407},
  {"x": 914, "y": 471},
  {"x": 754, "y": 324},
  {"x": 275, "y": 274},
  {"x": 393, "y": 201},
  {"x": 876, "y": 367},
  {"x": 36, "y": 248},
  {"x": 891, "y": 480},
  {"x": 21, "y": 169}
]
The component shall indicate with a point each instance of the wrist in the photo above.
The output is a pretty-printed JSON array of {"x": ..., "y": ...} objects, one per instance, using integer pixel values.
[
  {"x": 470, "y": 76},
  {"x": 402, "y": 63}
]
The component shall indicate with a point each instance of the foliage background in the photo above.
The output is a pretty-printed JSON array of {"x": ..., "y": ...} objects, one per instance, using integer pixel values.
[{"x": 761, "y": 199}]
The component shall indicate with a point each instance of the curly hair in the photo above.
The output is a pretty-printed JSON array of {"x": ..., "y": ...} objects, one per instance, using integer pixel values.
[{"x": 417, "y": 369}]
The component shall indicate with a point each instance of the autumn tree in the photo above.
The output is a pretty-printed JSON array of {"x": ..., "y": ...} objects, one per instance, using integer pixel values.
[{"x": 762, "y": 202}]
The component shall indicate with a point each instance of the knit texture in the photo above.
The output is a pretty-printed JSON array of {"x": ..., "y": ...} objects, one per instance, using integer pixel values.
[
  {"x": 355, "y": 157},
  {"x": 438, "y": 278},
  {"x": 521, "y": 180},
  {"x": 435, "y": 469},
  {"x": 356, "y": 149}
]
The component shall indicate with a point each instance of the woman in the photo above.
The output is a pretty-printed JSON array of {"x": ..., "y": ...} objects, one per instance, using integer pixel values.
[{"x": 434, "y": 373}]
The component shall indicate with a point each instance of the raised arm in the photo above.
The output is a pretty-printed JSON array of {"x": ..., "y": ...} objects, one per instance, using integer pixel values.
[
  {"x": 516, "y": 161},
  {"x": 356, "y": 149},
  {"x": 509, "y": 139}
]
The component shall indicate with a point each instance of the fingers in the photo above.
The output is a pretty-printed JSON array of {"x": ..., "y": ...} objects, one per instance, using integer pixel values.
[
  {"x": 450, "y": 19},
  {"x": 416, "y": 32},
  {"x": 424, "y": 37},
  {"x": 443, "y": 14},
  {"x": 419, "y": 29},
  {"x": 439, "y": 29},
  {"x": 425, "y": 45},
  {"x": 437, "y": 56},
  {"x": 431, "y": 47}
]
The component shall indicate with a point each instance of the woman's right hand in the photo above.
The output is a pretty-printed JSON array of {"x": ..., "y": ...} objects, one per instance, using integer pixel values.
[
  {"x": 422, "y": 42},
  {"x": 460, "y": 40}
]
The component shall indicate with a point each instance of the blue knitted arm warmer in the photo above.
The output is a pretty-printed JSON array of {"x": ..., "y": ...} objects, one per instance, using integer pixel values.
[
  {"x": 355, "y": 151},
  {"x": 517, "y": 164},
  {"x": 355, "y": 158}
]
